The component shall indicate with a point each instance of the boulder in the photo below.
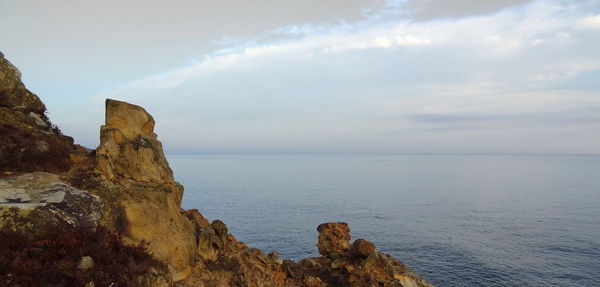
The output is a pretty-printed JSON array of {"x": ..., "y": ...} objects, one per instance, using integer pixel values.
[
  {"x": 42, "y": 197},
  {"x": 333, "y": 238},
  {"x": 362, "y": 248}
]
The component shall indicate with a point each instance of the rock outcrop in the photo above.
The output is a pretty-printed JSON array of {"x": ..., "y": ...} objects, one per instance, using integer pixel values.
[
  {"x": 129, "y": 147},
  {"x": 137, "y": 173},
  {"x": 28, "y": 140},
  {"x": 126, "y": 187}
]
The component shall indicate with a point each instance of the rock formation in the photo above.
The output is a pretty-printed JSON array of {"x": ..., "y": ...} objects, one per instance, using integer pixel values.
[
  {"x": 334, "y": 238},
  {"x": 129, "y": 147},
  {"x": 126, "y": 186},
  {"x": 28, "y": 140}
]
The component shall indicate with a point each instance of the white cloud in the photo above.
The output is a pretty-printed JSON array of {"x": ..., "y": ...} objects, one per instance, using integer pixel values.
[
  {"x": 592, "y": 22},
  {"x": 373, "y": 83}
]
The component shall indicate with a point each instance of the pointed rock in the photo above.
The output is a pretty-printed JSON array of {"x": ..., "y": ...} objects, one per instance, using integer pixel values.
[{"x": 129, "y": 148}]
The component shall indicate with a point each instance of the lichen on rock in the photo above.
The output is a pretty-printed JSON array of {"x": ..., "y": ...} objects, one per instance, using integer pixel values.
[{"x": 51, "y": 199}]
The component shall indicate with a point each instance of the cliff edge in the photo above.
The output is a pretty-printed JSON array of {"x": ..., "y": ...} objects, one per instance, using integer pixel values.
[{"x": 112, "y": 216}]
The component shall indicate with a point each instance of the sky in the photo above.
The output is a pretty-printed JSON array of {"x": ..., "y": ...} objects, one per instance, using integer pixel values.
[{"x": 314, "y": 76}]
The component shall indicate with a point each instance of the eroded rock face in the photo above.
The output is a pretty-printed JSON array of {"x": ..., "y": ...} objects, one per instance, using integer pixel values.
[
  {"x": 333, "y": 238},
  {"x": 28, "y": 142},
  {"x": 152, "y": 215},
  {"x": 129, "y": 148},
  {"x": 146, "y": 196},
  {"x": 13, "y": 93}
]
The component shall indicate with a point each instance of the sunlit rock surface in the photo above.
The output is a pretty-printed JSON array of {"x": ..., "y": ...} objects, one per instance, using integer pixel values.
[{"x": 129, "y": 148}]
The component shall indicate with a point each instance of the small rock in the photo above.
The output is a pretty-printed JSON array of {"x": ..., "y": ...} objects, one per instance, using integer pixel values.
[
  {"x": 219, "y": 227},
  {"x": 362, "y": 248},
  {"x": 291, "y": 268},
  {"x": 337, "y": 264},
  {"x": 333, "y": 238},
  {"x": 86, "y": 263},
  {"x": 310, "y": 263},
  {"x": 274, "y": 257},
  {"x": 311, "y": 281}
]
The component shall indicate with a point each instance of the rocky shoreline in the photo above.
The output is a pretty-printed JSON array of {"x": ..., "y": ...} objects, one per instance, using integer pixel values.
[{"x": 126, "y": 186}]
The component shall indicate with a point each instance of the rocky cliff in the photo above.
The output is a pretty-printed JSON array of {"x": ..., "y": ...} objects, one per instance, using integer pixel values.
[{"x": 125, "y": 189}]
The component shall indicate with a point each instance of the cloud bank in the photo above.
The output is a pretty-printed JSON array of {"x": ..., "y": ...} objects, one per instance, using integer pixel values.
[{"x": 522, "y": 79}]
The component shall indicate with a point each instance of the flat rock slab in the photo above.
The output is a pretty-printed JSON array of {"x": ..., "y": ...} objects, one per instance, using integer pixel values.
[
  {"x": 14, "y": 195},
  {"x": 45, "y": 192}
]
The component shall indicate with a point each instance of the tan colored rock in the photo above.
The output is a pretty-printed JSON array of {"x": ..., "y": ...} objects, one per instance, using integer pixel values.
[
  {"x": 153, "y": 216},
  {"x": 362, "y": 248},
  {"x": 129, "y": 148},
  {"x": 132, "y": 158},
  {"x": 333, "y": 238},
  {"x": 310, "y": 281},
  {"x": 196, "y": 217}
]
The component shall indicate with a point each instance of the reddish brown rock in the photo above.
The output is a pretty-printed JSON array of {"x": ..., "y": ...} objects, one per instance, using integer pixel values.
[
  {"x": 362, "y": 248},
  {"x": 333, "y": 238}
]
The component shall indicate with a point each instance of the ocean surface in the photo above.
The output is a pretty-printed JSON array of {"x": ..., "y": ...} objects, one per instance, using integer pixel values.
[{"x": 458, "y": 220}]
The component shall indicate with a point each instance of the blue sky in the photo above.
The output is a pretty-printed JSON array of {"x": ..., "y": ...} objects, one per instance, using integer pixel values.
[{"x": 415, "y": 76}]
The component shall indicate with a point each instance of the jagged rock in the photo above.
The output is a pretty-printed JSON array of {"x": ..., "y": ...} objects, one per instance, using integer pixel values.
[
  {"x": 129, "y": 147},
  {"x": 13, "y": 93},
  {"x": 220, "y": 228},
  {"x": 362, "y": 248},
  {"x": 333, "y": 238},
  {"x": 27, "y": 140},
  {"x": 207, "y": 240},
  {"x": 43, "y": 198},
  {"x": 196, "y": 217}
]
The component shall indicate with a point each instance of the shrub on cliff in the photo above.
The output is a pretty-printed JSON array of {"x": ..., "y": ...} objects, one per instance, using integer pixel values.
[{"x": 53, "y": 260}]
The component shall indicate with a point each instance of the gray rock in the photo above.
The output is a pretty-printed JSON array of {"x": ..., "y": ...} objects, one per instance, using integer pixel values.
[
  {"x": 37, "y": 120},
  {"x": 14, "y": 195},
  {"x": 55, "y": 200}
]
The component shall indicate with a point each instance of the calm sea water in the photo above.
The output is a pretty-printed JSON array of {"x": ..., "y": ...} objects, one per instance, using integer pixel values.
[{"x": 459, "y": 220}]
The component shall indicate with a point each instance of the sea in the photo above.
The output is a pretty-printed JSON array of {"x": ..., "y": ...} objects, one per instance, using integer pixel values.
[{"x": 458, "y": 220}]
